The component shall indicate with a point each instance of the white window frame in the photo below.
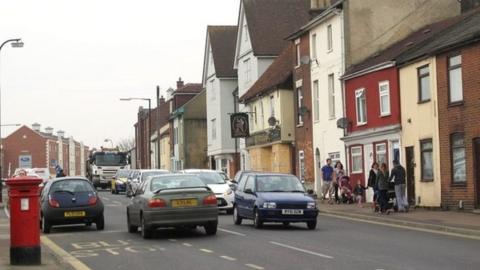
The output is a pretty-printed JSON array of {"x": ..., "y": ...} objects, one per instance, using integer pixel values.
[
  {"x": 314, "y": 47},
  {"x": 214, "y": 128},
  {"x": 248, "y": 70},
  {"x": 329, "y": 38},
  {"x": 358, "y": 93},
  {"x": 299, "y": 105},
  {"x": 359, "y": 154},
  {"x": 272, "y": 105},
  {"x": 316, "y": 100},
  {"x": 212, "y": 91},
  {"x": 297, "y": 53},
  {"x": 331, "y": 96},
  {"x": 245, "y": 31},
  {"x": 301, "y": 165},
  {"x": 383, "y": 93},
  {"x": 334, "y": 156},
  {"x": 262, "y": 115},
  {"x": 451, "y": 69},
  {"x": 383, "y": 152}
]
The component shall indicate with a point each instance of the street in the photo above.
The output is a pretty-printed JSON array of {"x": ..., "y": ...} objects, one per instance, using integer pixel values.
[{"x": 336, "y": 244}]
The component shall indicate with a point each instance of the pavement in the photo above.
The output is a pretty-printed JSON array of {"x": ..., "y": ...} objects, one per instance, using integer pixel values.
[{"x": 455, "y": 222}]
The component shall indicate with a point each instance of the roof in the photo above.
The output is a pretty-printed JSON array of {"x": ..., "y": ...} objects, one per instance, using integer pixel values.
[
  {"x": 465, "y": 31},
  {"x": 222, "y": 41},
  {"x": 278, "y": 74},
  {"x": 271, "y": 21},
  {"x": 387, "y": 57},
  {"x": 189, "y": 88}
]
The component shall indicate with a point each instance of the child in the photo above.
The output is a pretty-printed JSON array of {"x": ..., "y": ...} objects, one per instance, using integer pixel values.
[{"x": 358, "y": 192}]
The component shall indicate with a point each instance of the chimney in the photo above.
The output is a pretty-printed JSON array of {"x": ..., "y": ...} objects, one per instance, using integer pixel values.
[
  {"x": 49, "y": 130},
  {"x": 179, "y": 83},
  {"x": 162, "y": 100},
  {"x": 36, "y": 127},
  {"x": 467, "y": 5},
  {"x": 61, "y": 133},
  {"x": 158, "y": 96}
]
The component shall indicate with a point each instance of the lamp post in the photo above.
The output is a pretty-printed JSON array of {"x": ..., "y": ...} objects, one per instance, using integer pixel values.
[
  {"x": 149, "y": 125},
  {"x": 16, "y": 43},
  {"x": 109, "y": 140}
]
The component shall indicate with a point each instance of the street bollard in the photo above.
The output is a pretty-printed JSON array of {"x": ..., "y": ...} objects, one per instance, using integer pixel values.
[{"x": 24, "y": 221}]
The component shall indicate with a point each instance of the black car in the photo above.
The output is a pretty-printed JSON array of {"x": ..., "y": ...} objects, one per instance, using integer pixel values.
[{"x": 70, "y": 200}]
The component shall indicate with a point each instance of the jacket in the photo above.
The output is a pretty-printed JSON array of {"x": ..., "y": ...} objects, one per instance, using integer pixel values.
[
  {"x": 398, "y": 174},
  {"x": 372, "y": 179},
  {"x": 382, "y": 180}
]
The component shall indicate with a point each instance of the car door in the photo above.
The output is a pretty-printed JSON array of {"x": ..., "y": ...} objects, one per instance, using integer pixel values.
[
  {"x": 240, "y": 195},
  {"x": 249, "y": 196},
  {"x": 136, "y": 206}
]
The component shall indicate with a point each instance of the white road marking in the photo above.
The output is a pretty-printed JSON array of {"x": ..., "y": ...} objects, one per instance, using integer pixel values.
[
  {"x": 113, "y": 231},
  {"x": 231, "y": 232},
  {"x": 74, "y": 262},
  {"x": 172, "y": 240},
  {"x": 228, "y": 258},
  {"x": 105, "y": 198},
  {"x": 301, "y": 250},
  {"x": 206, "y": 250},
  {"x": 254, "y": 266},
  {"x": 187, "y": 244}
]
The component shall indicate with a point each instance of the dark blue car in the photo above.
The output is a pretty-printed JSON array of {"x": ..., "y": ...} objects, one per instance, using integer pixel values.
[{"x": 270, "y": 197}]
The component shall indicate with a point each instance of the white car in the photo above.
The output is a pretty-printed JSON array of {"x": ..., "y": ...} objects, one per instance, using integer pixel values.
[
  {"x": 141, "y": 176},
  {"x": 215, "y": 181}
]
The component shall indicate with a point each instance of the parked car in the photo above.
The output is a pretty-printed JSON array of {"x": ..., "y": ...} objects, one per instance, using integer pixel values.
[
  {"x": 272, "y": 197},
  {"x": 119, "y": 181},
  {"x": 238, "y": 176},
  {"x": 219, "y": 186},
  {"x": 70, "y": 200},
  {"x": 172, "y": 200},
  {"x": 132, "y": 181}
]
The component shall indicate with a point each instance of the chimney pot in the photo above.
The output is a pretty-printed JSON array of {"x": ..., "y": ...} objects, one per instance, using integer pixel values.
[
  {"x": 179, "y": 83},
  {"x": 36, "y": 126},
  {"x": 49, "y": 130},
  {"x": 61, "y": 133}
]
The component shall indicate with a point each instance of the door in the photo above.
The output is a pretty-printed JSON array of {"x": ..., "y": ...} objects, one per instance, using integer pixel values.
[
  {"x": 410, "y": 168},
  {"x": 476, "y": 153},
  {"x": 249, "y": 197}
]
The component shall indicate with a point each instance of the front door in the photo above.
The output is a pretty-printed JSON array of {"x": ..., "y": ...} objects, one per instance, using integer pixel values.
[
  {"x": 476, "y": 158},
  {"x": 410, "y": 168}
]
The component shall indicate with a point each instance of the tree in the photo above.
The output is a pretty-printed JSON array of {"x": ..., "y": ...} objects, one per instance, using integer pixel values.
[{"x": 126, "y": 144}]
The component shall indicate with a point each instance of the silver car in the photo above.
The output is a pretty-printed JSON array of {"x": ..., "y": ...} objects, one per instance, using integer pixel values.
[{"x": 172, "y": 200}]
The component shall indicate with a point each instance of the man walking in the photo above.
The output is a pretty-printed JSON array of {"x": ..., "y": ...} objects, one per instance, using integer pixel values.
[
  {"x": 398, "y": 176},
  {"x": 327, "y": 176}
]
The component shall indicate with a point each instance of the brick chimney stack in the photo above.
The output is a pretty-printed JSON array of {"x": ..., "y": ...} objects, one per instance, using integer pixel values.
[
  {"x": 180, "y": 83},
  {"x": 162, "y": 100}
]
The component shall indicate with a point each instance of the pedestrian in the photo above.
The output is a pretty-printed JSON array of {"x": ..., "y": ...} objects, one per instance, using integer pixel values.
[
  {"x": 327, "y": 176},
  {"x": 338, "y": 176},
  {"x": 372, "y": 182},
  {"x": 398, "y": 177},
  {"x": 61, "y": 174},
  {"x": 382, "y": 182},
  {"x": 358, "y": 192}
]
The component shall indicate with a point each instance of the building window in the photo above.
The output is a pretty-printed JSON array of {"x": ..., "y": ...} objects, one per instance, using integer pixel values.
[
  {"x": 224, "y": 165},
  {"x": 262, "y": 115},
  {"x": 455, "y": 85},
  {"x": 357, "y": 159},
  {"x": 335, "y": 157},
  {"x": 301, "y": 165},
  {"x": 361, "y": 104},
  {"x": 381, "y": 153},
  {"x": 248, "y": 70},
  {"x": 297, "y": 53},
  {"x": 316, "y": 101},
  {"x": 272, "y": 105},
  {"x": 331, "y": 96},
  {"x": 212, "y": 89},
  {"x": 245, "y": 31},
  {"x": 300, "y": 105},
  {"x": 384, "y": 94},
  {"x": 329, "y": 38},
  {"x": 423, "y": 83},
  {"x": 314, "y": 46},
  {"x": 426, "y": 148},
  {"x": 457, "y": 141},
  {"x": 214, "y": 129},
  {"x": 255, "y": 113}
]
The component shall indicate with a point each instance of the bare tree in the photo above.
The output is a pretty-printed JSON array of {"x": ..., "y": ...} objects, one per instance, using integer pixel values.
[{"x": 126, "y": 144}]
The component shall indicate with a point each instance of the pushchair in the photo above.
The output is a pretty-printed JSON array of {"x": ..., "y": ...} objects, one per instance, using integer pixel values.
[
  {"x": 391, "y": 198},
  {"x": 346, "y": 190}
]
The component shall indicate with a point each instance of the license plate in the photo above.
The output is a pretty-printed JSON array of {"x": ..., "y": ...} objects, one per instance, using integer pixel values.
[
  {"x": 184, "y": 203},
  {"x": 74, "y": 214},
  {"x": 292, "y": 212}
]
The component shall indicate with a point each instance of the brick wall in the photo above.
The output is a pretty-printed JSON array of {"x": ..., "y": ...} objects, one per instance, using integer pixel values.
[{"x": 462, "y": 118}]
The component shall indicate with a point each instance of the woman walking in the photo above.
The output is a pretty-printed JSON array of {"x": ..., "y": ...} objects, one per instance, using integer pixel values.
[
  {"x": 372, "y": 182},
  {"x": 382, "y": 183}
]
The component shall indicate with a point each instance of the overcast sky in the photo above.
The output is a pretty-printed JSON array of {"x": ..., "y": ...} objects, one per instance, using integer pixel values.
[{"x": 80, "y": 57}]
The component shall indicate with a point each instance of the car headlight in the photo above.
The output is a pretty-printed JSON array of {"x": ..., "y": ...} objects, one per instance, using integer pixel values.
[
  {"x": 311, "y": 205},
  {"x": 228, "y": 192},
  {"x": 269, "y": 205}
]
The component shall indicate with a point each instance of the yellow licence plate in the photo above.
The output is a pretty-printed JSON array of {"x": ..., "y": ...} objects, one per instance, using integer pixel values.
[
  {"x": 184, "y": 203},
  {"x": 74, "y": 214}
]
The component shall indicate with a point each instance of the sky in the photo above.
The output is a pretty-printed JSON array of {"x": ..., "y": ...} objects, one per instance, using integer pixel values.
[{"x": 81, "y": 57}]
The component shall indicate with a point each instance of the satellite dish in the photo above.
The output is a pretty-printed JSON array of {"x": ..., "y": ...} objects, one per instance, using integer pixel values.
[
  {"x": 343, "y": 123},
  {"x": 305, "y": 59},
  {"x": 272, "y": 121}
]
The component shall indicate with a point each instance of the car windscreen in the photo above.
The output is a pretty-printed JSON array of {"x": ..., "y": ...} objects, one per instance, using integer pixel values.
[
  {"x": 146, "y": 175},
  {"x": 278, "y": 183},
  {"x": 110, "y": 159},
  {"x": 210, "y": 178},
  {"x": 175, "y": 181},
  {"x": 71, "y": 186}
]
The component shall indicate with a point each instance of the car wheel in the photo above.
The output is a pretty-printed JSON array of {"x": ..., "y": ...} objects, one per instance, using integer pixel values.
[
  {"x": 211, "y": 227},
  {"x": 257, "y": 221},
  {"x": 100, "y": 223},
  {"x": 46, "y": 226},
  {"x": 131, "y": 228},
  {"x": 146, "y": 232},
  {"x": 312, "y": 225},
  {"x": 229, "y": 211},
  {"x": 237, "y": 219}
]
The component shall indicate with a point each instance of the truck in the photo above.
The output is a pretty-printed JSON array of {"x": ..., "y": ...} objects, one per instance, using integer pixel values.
[{"x": 102, "y": 166}]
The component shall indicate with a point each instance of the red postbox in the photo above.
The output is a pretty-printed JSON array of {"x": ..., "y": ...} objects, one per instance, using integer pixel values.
[{"x": 24, "y": 220}]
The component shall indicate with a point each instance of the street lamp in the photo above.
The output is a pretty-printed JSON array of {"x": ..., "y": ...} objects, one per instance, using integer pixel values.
[
  {"x": 16, "y": 43},
  {"x": 149, "y": 125},
  {"x": 109, "y": 140}
]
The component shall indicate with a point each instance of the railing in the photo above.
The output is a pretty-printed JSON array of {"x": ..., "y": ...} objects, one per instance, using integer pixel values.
[{"x": 264, "y": 137}]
